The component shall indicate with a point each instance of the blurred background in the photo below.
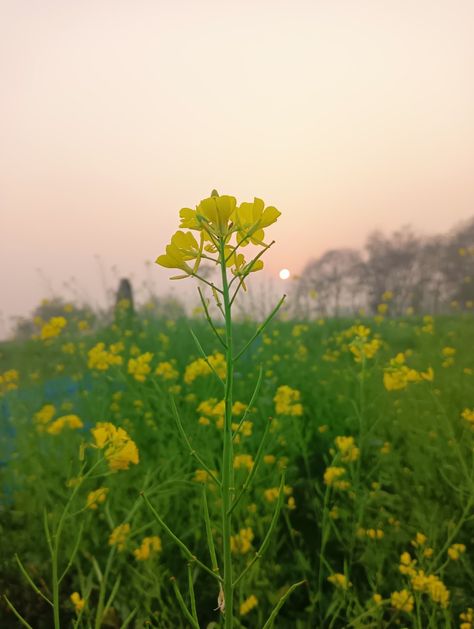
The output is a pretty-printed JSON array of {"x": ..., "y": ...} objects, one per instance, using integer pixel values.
[{"x": 355, "y": 119}]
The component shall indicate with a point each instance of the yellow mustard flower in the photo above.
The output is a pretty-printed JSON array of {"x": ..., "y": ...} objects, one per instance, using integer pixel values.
[
  {"x": 200, "y": 367},
  {"x": 77, "y": 601},
  {"x": 249, "y": 604},
  {"x": 149, "y": 546},
  {"x": 456, "y": 550},
  {"x": 118, "y": 536},
  {"x": 332, "y": 477},
  {"x": 119, "y": 449},
  {"x": 139, "y": 367},
  {"x": 241, "y": 543},
  {"x": 468, "y": 415},
  {"x": 67, "y": 421},
  {"x": 166, "y": 371},
  {"x": 340, "y": 581},
  {"x": 96, "y": 497},
  {"x": 101, "y": 358},
  {"x": 243, "y": 460},
  {"x": 287, "y": 401},
  {"x": 45, "y": 414},
  {"x": 52, "y": 328},
  {"x": 347, "y": 448},
  {"x": 402, "y": 600}
]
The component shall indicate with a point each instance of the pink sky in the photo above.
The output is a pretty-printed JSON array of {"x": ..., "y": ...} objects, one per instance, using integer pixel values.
[{"x": 346, "y": 115}]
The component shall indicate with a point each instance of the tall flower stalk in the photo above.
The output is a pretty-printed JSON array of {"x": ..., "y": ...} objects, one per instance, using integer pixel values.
[{"x": 224, "y": 230}]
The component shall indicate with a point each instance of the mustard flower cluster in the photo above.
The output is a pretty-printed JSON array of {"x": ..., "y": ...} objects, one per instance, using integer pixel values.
[
  {"x": 332, "y": 478},
  {"x": 200, "y": 367},
  {"x": 77, "y": 601},
  {"x": 119, "y": 535},
  {"x": 362, "y": 346},
  {"x": 44, "y": 421},
  {"x": 213, "y": 409},
  {"x": 149, "y": 546},
  {"x": 403, "y": 601},
  {"x": 468, "y": 416},
  {"x": 66, "y": 421},
  {"x": 166, "y": 371},
  {"x": 241, "y": 543},
  {"x": 397, "y": 375},
  {"x": 96, "y": 498},
  {"x": 455, "y": 551},
  {"x": 9, "y": 380},
  {"x": 52, "y": 328},
  {"x": 243, "y": 461},
  {"x": 429, "y": 584},
  {"x": 119, "y": 449},
  {"x": 250, "y": 603},
  {"x": 287, "y": 401},
  {"x": 340, "y": 581},
  {"x": 101, "y": 358},
  {"x": 467, "y": 619},
  {"x": 448, "y": 354},
  {"x": 347, "y": 448},
  {"x": 218, "y": 219},
  {"x": 140, "y": 367},
  {"x": 44, "y": 415}
]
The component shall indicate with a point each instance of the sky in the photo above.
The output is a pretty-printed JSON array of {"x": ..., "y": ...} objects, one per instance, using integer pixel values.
[{"x": 347, "y": 116}]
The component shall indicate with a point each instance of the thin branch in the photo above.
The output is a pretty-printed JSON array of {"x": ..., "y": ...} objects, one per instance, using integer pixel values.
[
  {"x": 279, "y": 605},
  {"x": 30, "y": 580},
  {"x": 182, "y": 604},
  {"x": 192, "y": 451},
  {"x": 17, "y": 613},
  {"x": 201, "y": 279},
  {"x": 266, "y": 541},
  {"x": 188, "y": 554},
  {"x": 248, "y": 271},
  {"x": 205, "y": 357},
  {"x": 250, "y": 404},
  {"x": 251, "y": 474},
  {"x": 261, "y": 328},
  {"x": 210, "y": 539},
  {"x": 209, "y": 320}
]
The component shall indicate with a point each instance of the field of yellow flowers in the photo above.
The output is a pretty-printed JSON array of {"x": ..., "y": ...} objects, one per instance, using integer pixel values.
[{"x": 372, "y": 421}]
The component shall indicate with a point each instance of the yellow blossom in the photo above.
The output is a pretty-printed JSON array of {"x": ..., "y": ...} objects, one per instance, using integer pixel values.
[
  {"x": 150, "y": 545},
  {"x": 200, "y": 367},
  {"x": 77, "y": 601},
  {"x": 67, "y": 421},
  {"x": 340, "y": 581},
  {"x": 119, "y": 449},
  {"x": 100, "y": 358},
  {"x": 45, "y": 414},
  {"x": 456, "y": 550},
  {"x": 166, "y": 371},
  {"x": 243, "y": 460},
  {"x": 52, "y": 328},
  {"x": 287, "y": 401},
  {"x": 119, "y": 535},
  {"x": 241, "y": 543},
  {"x": 332, "y": 477},
  {"x": 96, "y": 497},
  {"x": 248, "y": 605},
  {"x": 347, "y": 448},
  {"x": 139, "y": 367},
  {"x": 402, "y": 600}
]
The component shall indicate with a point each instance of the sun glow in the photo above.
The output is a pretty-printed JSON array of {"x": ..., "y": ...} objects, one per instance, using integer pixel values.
[{"x": 284, "y": 274}]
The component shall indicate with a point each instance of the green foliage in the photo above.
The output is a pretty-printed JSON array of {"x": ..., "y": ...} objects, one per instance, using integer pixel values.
[{"x": 413, "y": 473}]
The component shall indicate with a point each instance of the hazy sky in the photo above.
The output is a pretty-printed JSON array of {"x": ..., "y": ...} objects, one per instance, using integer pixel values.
[{"x": 347, "y": 115}]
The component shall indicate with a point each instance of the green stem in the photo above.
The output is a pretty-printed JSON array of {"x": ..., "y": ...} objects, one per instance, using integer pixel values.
[{"x": 227, "y": 481}]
